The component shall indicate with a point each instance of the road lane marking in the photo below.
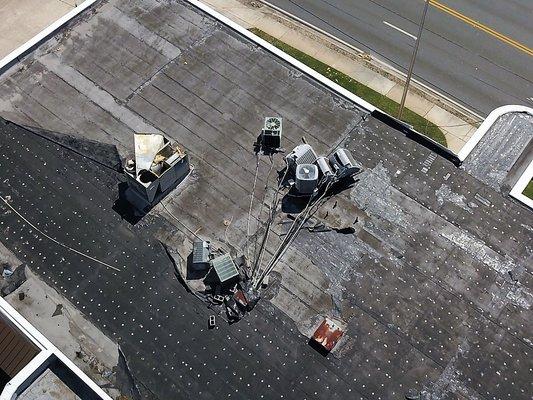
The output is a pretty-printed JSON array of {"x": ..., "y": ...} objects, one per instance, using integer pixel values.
[
  {"x": 482, "y": 27},
  {"x": 399, "y": 30}
]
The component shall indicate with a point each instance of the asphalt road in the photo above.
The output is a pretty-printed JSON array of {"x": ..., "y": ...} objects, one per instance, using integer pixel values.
[{"x": 481, "y": 67}]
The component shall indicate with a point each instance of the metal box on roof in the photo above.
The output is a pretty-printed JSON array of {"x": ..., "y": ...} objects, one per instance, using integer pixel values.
[
  {"x": 159, "y": 166},
  {"x": 306, "y": 178},
  {"x": 271, "y": 133},
  {"x": 301, "y": 154},
  {"x": 328, "y": 334},
  {"x": 225, "y": 268},
  {"x": 200, "y": 255}
]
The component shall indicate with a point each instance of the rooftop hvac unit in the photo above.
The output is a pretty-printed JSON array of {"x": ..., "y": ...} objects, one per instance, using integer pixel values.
[
  {"x": 271, "y": 133},
  {"x": 306, "y": 178},
  {"x": 324, "y": 167},
  {"x": 301, "y": 154},
  {"x": 343, "y": 163}
]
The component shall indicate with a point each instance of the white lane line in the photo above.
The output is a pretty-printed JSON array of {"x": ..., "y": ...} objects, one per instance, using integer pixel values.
[{"x": 399, "y": 30}]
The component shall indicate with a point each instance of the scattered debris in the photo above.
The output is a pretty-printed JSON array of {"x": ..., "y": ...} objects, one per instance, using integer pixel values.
[
  {"x": 58, "y": 310},
  {"x": 412, "y": 394},
  {"x": 444, "y": 193}
]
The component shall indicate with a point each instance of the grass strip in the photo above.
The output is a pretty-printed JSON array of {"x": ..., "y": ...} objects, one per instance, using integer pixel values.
[
  {"x": 528, "y": 191},
  {"x": 419, "y": 123}
]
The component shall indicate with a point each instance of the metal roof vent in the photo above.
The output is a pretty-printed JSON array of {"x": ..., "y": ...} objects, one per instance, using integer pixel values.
[
  {"x": 159, "y": 166},
  {"x": 306, "y": 178}
]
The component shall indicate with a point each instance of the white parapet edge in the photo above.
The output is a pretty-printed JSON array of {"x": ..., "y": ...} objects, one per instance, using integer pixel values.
[
  {"x": 279, "y": 53},
  {"x": 525, "y": 178},
  {"x": 486, "y": 125},
  {"x": 520, "y": 185},
  {"x": 47, "y": 349},
  {"x": 45, "y": 33}
]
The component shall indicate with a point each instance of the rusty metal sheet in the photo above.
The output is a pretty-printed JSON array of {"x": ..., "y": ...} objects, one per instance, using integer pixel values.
[{"x": 328, "y": 334}]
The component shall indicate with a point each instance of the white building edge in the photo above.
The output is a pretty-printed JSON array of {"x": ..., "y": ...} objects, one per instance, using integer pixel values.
[
  {"x": 525, "y": 178},
  {"x": 47, "y": 354}
]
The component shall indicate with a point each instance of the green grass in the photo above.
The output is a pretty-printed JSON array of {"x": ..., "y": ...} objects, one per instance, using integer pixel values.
[
  {"x": 528, "y": 191},
  {"x": 421, "y": 124}
]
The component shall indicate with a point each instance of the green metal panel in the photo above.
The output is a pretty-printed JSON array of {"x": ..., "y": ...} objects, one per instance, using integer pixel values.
[{"x": 225, "y": 267}]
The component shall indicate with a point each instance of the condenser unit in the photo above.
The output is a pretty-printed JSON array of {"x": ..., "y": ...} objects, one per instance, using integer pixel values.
[
  {"x": 306, "y": 178},
  {"x": 301, "y": 154},
  {"x": 271, "y": 133}
]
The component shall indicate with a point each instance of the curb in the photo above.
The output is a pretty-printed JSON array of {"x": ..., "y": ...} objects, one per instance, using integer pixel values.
[
  {"x": 46, "y": 351},
  {"x": 520, "y": 185},
  {"x": 470, "y": 114},
  {"x": 15, "y": 56},
  {"x": 526, "y": 177},
  {"x": 416, "y": 136}
]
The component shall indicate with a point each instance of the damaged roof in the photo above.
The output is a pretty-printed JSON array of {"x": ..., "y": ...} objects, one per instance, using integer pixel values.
[{"x": 433, "y": 279}]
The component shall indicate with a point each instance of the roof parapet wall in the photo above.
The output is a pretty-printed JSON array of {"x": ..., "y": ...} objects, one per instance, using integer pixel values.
[{"x": 48, "y": 354}]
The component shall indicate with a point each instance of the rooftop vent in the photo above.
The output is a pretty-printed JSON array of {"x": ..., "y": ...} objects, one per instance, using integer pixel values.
[
  {"x": 158, "y": 167},
  {"x": 200, "y": 255}
]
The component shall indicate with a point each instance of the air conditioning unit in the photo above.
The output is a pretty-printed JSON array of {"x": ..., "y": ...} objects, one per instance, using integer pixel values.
[
  {"x": 301, "y": 154},
  {"x": 343, "y": 163},
  {"x": 271, "y": 133},
  {"x": 324, "y": 167},
  {"x": 306, "y": 178}
]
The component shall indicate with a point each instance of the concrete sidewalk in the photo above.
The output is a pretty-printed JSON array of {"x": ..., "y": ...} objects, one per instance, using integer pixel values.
[
  {"x": 23, "y": 19},
  {"x": 456, "y": 124}
]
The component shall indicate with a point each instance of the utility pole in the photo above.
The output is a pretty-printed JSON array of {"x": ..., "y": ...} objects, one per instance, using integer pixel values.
[{"x": 413, "y": 59}]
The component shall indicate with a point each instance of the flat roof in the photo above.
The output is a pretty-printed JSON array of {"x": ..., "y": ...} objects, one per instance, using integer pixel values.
[{"x": 433, "y": 282}]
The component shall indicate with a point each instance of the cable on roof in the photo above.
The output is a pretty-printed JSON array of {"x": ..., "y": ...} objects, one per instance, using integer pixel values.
[{"x": 57, "y": 241}]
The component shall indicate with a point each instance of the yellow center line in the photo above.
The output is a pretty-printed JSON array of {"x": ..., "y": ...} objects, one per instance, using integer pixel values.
[{"x": 482, "y": 27}]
